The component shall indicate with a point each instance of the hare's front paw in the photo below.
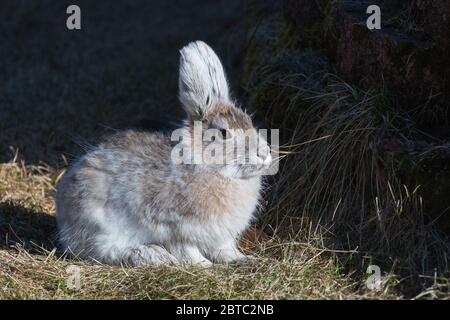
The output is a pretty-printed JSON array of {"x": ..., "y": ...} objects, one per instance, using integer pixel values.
[
  {"x": 190, "y": 255},
  {"x": 203, "y": 263},
  {"x": 149, "y": 255},
  {"x": 230, "y": 254},
  {"x": 244, "y": 260}
]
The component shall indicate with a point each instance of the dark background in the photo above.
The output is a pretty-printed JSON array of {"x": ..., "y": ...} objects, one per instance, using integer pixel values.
[{"x": 61, "y": 88}]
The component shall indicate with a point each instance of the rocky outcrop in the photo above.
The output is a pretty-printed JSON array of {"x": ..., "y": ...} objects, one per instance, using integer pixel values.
[{"x": 408, "y": 58}]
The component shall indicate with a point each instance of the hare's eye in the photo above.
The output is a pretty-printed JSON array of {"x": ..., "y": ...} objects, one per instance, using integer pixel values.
[{"x": 225, "y": 134}]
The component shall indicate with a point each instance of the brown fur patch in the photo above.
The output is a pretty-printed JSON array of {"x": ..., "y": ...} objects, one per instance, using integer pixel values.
[{"x": 236, "y": 118}]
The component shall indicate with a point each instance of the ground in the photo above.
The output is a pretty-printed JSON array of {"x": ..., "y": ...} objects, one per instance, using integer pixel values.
[
  {"x": 32, "y": 268},
  {"x": 60, "y": 89}
]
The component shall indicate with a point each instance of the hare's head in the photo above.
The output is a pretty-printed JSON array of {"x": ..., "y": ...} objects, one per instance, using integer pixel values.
[{"x": 218, "y": 135}]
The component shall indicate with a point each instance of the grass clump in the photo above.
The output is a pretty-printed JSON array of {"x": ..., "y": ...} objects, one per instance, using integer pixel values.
[{"x": 340, "y": 183}]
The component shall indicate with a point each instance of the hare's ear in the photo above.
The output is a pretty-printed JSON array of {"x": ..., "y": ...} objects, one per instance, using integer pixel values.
[{"x": 202, "y": 81}]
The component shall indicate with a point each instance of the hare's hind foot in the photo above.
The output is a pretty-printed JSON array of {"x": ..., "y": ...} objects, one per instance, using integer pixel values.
[{"x": 154, "y": 255}]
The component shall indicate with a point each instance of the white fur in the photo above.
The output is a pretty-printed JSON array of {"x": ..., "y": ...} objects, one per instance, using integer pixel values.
[{"x": 202, "y": 80}]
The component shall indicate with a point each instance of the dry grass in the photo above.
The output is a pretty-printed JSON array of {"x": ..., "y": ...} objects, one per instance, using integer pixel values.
[
  {"x": 32, "y": 268},
  {"x": 339, "y": 185}
]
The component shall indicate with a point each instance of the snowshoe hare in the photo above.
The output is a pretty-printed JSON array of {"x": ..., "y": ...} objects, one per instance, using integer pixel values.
[{"x": 127, "y": 200}]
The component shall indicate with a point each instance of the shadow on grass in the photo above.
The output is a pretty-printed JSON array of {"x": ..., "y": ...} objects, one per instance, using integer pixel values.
[{"x": 32, "y": 230}]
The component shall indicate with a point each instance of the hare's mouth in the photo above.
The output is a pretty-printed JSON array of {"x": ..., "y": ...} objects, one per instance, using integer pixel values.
[{"x": 252, "y": 170}]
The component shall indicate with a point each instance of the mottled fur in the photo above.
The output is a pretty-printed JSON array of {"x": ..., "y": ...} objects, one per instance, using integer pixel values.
[{"x": 127, "y": 201}]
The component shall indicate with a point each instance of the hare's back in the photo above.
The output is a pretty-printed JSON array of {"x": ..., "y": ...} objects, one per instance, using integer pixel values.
[
  {"x": 118, "y": 162},
  {"x": 113, "y": 172},
  {"x": 138, "y": 145}
]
